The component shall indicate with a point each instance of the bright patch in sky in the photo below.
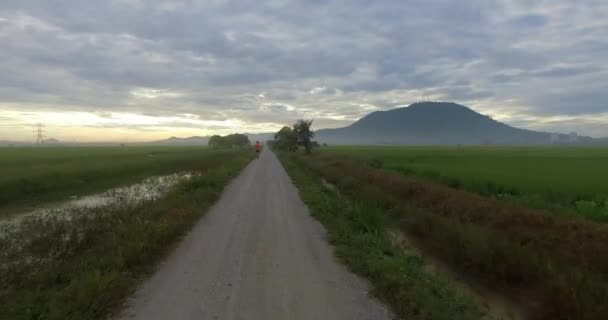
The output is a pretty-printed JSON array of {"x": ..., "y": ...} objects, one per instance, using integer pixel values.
[
  {"x": 154, "y": 93},
  {"x": 121, "y": 126}
]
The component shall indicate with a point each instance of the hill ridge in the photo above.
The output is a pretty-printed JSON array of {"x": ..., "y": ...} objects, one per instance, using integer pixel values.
[{"x": 436, "y": 123}]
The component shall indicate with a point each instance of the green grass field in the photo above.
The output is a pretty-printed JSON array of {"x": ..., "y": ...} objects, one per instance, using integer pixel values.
[
  {"x": 84, "y": 267},
  {"x": 562, "y": 179},
  {"x": 30, "y": 176}
]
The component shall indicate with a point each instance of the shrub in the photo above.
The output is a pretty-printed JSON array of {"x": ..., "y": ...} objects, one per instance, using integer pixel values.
[{"x": 376, "y": 163}]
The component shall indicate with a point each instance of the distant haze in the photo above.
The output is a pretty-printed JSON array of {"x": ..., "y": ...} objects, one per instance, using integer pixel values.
[{"x": 135, "y": 70}]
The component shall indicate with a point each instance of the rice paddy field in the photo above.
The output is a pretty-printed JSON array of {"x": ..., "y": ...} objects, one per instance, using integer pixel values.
[
  {"x": 31, "y": 176},
  {"x": 561, "y": 179}
]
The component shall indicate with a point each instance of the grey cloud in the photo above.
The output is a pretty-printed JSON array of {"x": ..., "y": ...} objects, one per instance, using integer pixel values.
[
  {"x": 549, "y": 72},
  {"x": 217, "y": 56},
  {"x": 575, "y": 103},
  {"x": 562, "y": 71},
  {"x": 463, "y": 93},
  {"x": 529, "y": 21}
]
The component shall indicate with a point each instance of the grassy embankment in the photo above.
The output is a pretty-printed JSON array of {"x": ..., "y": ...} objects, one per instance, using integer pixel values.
[
  {"x": 553, "y": 265},
  {"x": 83, "y": 268},
  {"x": 561, "y": 179},
  {"x": 358, "y": 229},
  {"x": 31, "y": 176}
]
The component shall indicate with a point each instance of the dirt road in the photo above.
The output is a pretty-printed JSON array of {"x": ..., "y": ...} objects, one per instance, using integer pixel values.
[{"x": 256, "y": 255}]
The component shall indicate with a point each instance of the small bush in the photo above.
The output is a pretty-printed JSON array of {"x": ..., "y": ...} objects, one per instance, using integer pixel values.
[
  {"x": 348, "y": 184},
  {"x": 376, "y": 163},
  {"x": 406, "y": 171}
]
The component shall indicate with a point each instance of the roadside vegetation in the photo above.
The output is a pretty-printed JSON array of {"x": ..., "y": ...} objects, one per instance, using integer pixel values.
[
  {"x": 31, "y": 176},
  {"x": 560, "y": 179},
  {"x": 555, "y": 266},
  {"x": 85, "y": 266},
  {"x": 359, "y": 231}
]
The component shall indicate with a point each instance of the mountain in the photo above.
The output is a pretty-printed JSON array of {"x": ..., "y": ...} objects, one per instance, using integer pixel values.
[
  {"x": 52, "y": 141},
  {"x": 203, "y": 141},
  {"x": 436, "y": 123},
  {"x": 190, "y": 141},
  {"x": 47, "y": 142},
  {"x": 6, "y": 143},
  {"x": 261, "y": 137}
]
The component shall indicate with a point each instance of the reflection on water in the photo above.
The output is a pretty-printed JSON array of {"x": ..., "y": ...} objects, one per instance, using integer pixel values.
[{"x": 149, "y": 189}]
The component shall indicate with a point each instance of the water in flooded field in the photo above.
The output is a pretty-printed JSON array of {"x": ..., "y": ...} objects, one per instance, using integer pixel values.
[
  {"x": 54, "y": 221},
  {"x": 150, "y": 189}
]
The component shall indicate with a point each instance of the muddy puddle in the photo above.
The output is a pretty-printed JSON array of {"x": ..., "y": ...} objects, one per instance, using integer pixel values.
[{"x": 149, "y": 189}]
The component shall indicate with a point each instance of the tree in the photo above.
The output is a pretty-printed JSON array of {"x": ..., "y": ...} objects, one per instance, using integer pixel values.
[
  {"x": 290, "y": 138},
  {"x": 286, "y": 139},
  {"x": 304, "y": 134},
  {"x": 238, "y": 140},
  {"x": 229, "y": 141},
  {"x": 217, "y": 142}
]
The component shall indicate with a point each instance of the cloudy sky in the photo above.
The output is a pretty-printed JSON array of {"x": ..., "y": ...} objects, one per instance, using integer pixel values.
[{"x": 138, "y": 70}]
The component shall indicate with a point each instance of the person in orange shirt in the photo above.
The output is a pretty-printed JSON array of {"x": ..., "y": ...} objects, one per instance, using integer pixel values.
[{"x": 258, "y": 148}]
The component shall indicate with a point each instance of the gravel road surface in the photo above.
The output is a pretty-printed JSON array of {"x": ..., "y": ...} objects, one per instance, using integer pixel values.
[{"x": 257, "y": 255}]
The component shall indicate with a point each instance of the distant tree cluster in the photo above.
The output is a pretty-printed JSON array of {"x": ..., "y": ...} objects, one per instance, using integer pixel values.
[
  {"x": 229, "y": 141},
  {"x": 290, "y": 138}
]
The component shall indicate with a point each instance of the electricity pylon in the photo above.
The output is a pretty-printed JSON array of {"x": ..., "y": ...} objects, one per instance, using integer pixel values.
[{"x": 40, "y": 134}]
